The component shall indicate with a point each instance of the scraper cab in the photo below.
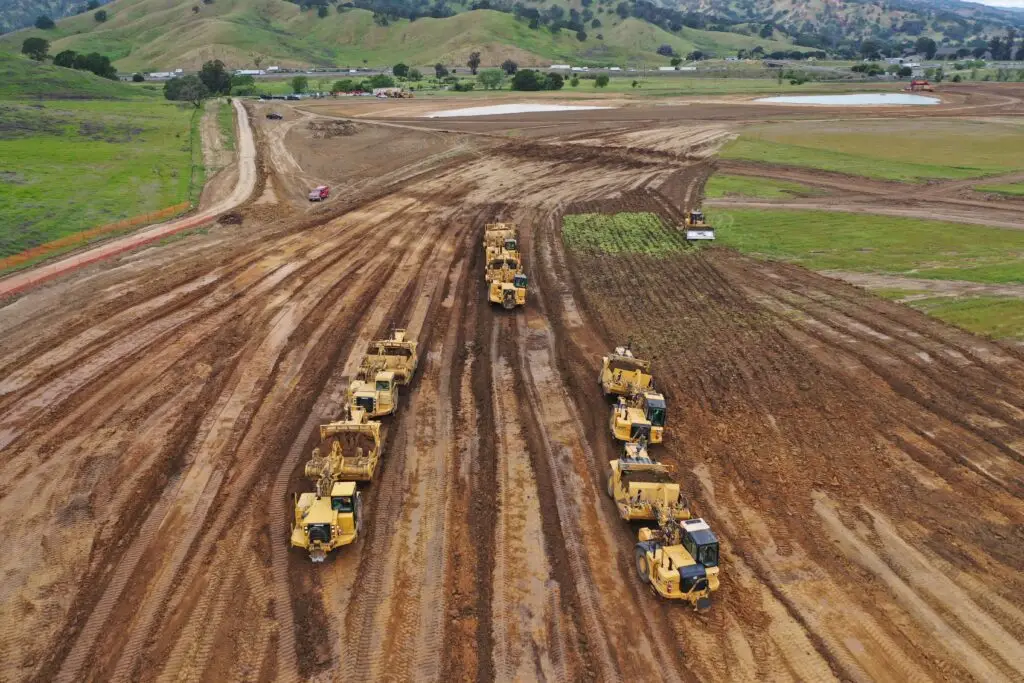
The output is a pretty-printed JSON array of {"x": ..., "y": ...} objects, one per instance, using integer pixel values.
[{"x": 639, "y": 417}]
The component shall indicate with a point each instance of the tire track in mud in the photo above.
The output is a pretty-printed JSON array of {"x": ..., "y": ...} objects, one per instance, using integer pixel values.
[
  {"x": 318, "y": 269},
  {"x": 379, "y": 618},
  {"x": 525, "y": 625},
  {"x": 246, "y": 395}
]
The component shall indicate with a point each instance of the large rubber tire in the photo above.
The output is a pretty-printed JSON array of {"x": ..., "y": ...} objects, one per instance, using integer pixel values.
[{"x": 642, "y": 570}]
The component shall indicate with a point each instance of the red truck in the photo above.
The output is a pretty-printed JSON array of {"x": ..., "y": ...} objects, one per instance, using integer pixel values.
[{"x": 319, "y": 194}]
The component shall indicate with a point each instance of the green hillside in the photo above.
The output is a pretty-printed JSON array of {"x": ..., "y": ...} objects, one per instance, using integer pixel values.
[
  {"x": 23, "y": 79},
  {"x": 157, "y": 35}
]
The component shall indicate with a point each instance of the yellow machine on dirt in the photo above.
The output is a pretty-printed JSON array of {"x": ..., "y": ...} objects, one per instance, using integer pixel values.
[
  {"x": 355, "y": 448},
  {"x": 506, "y": 283},
  {"x": 325, "y": 522},
  {"x": 697, "y": 228},
  {"x": 500, "y": 237},
  {"x": 374, "y": 392},
  {"x": 623, "y": 374},
  {"x": 639, "y": 417},
  {"x": 395, "y": 354},
  {"x": 642, "y": 487},
  {"x": 679, "y": 560}
]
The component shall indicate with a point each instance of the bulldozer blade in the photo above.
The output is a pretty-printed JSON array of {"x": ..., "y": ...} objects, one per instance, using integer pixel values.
[{"x": 703, "y": 604}]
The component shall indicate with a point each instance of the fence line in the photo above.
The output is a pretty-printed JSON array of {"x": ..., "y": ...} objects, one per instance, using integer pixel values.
[{"x": 86, "y": 235}]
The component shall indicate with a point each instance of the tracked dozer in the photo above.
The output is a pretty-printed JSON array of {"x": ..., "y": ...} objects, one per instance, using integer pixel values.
[
  {"x": 639, "y": 417},
  {"x": 679, "y": 560},
  {"x": 396, "y": 354},
  {"x": 506, "y": 283},
  {"x": 697, "y": 228},
  {"x": 355, "y": 448},
  {"x": 642, "y": 487},
  {"x": 623, "y": 374}
]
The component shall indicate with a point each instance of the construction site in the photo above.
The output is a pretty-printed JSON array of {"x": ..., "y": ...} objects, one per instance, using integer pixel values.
[{"x": 410, "y": 433}]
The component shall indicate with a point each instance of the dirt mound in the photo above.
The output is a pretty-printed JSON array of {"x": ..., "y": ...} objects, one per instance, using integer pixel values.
[{"x": 330, "y": 128}]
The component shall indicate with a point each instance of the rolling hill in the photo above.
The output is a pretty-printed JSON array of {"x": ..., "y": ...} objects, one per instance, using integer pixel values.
[{"x": 156, "y": 35}]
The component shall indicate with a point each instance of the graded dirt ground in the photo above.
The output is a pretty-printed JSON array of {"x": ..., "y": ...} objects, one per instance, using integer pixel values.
[{"x": 862, "y": 464}]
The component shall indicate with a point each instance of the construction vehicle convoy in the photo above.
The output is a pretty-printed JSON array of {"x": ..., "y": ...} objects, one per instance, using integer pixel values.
[
  {"x": 332, "y": 515},
  {"x": 678, "y": 559},
  {"x": 503, "y": 273}
]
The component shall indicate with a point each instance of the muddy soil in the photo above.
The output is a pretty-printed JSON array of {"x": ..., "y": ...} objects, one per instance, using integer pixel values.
[{"x": 861, "y": 463}]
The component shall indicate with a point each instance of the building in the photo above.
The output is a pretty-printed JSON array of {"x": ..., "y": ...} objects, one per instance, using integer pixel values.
[
  {"x": 250, "y": 72},
  {"x": 559, "y": 67},
  {"x": 272, "y": 69},
  {"x": 160, "y": 75}
]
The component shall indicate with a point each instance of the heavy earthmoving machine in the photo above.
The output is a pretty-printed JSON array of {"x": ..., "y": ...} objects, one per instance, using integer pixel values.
[
  {"x": 355, "y": 448},
  {"x": 642, "y": 487},
  {"x": 697, "y": 228},
  {"x": 397, "y": 354},
  {"x": 622, "y": 373},
  {"x": 506, "y": 283},
  {"x": 330, "y": 517},
  {"x": 639, "y": 416},
  {"x": 679, "y": 560},
  {"x": 500, "y": 237},
  {"x": 374, "y": 390}
]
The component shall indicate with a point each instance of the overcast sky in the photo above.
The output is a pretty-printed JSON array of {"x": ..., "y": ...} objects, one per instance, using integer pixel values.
[{"x": 1002, "y": 3}]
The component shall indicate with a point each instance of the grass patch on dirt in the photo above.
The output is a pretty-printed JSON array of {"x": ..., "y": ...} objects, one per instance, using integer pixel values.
[
  {"x": 72, "y": 165},
  {"x": 911, "y": 150},
  {"x": 992, "y": 316},
  {"x": 897, "y": 294},
  {"x": 719, "y": 186},
  {"x": 24, "y": 79},
  {"x": 226, "y": 124},
  {"x": 1013, "y": 189},
  {"x": 823, "y": 240},
  {"x": 634, "y": 233}
]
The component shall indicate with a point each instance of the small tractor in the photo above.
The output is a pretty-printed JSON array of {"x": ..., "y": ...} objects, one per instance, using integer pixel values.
[
  {"x": 639, "y": 416},
  {"x": 330, "y": 517},
  {"x": 697, "y": 228},
  {"x": 679, "y": 560},
  {"x": 353, "y": 434},
  {"x": 641, "y": 487},
  {"x": 395, "y": 354},
  {"x": 506, "y": 283},
  {"x": 622, "y": 373}
]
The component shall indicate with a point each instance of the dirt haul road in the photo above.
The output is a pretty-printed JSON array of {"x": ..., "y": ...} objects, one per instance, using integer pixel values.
[{"x": 862, "y": 464}]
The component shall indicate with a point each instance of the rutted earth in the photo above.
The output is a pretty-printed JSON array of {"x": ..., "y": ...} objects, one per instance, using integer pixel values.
[{"x": 862, "y": 464}]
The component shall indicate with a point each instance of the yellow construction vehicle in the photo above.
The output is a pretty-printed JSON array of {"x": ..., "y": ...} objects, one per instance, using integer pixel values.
[
  {"x": 375, "y": 392},
  {"x": 395, "y": 354},
  {"x": 355, "y": 444},
  {"x": 679, "y": 560},
  {"x": 506, "y": 283},
  {"x": 500, "y": 237},
  {"x": 697, "y": 228},
  {"x": 641, "y": 487},
  {"x": 325, "y": 522},
  {"x": 639, "y": 416},
  {"x": 622, "y": 373}
]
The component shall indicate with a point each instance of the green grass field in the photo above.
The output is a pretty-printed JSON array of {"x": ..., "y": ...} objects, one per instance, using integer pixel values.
[
  {"x": 226, "y": 124},
  {"x": 996, "y": 317},
  {"x": 1013, "y": 189},
  {"x": 822, "y": 240},
  {"x": 75, "y": 165},
  {"x": 638, "y": 233},
  {"x": 719, "y": 186},
  {"x": 910, "y": 150}
]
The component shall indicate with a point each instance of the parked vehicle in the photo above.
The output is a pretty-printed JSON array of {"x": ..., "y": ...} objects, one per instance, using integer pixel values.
[
  {"x": 274, "y": 116},
  {"x": 319, "y": 193}
]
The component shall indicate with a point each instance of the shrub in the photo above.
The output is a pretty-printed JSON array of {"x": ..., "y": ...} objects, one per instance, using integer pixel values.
[
  {"x": 491, "y": 79},
  {"x": 400, "y": 70},
  {"x": 601, "y": 81},
  {"x": 463, "y": 86},
  {"x": 100, "y": 16},
  {"x": 138, "y": 78},
  {"x": 44, "y": 22},
  {"x": 36, "y": 48}
]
